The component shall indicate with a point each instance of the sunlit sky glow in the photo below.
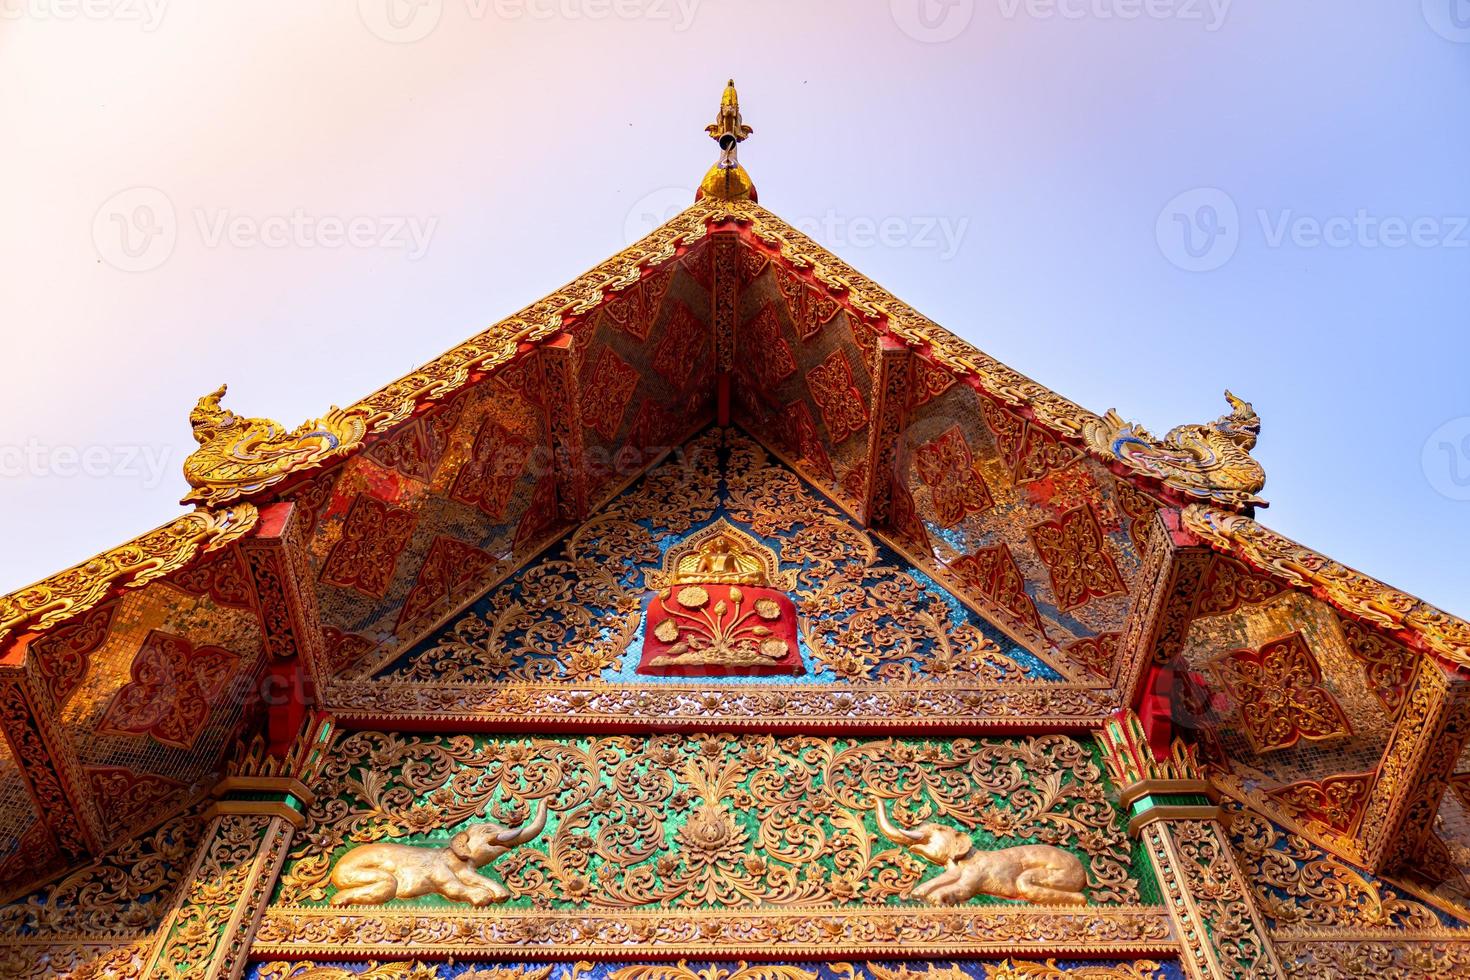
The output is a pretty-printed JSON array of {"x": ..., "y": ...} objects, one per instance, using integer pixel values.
[{"x": 316, "y": 198}]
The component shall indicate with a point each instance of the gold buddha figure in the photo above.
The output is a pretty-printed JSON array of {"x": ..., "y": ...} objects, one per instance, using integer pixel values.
[{"x": 723, "y": 560}]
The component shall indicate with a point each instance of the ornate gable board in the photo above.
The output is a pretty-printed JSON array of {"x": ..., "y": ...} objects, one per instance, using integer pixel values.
[{"x": 884, "y": 645}]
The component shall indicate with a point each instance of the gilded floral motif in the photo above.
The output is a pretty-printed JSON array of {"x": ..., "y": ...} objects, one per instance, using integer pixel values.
[
  {"x": 572, "y": 615},
  {"x": 1300, "y": 887},
  {"x": 710, "y": 821},
  {"x": 1279, "y": 693},
  {"x": 172, "y": 687}
]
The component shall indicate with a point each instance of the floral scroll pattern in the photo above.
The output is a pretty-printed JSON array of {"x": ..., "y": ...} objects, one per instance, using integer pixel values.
[
  {"x": 959, "y": 970},
  {"x": 864, "y": 615},
  {"x": 1298, "y": 886},
  {"x": 714, "y": 821}
]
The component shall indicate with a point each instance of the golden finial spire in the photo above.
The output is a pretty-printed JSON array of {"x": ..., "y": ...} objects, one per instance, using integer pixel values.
[{"x": 727, "y": 179}]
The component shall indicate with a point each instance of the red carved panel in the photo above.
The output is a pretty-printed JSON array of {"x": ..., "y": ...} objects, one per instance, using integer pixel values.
[
  {"x": 1140, "y": 509},
  {"x": 450, "y": 569},
  {"x": 172, "y": 686},
  {"x": 809, "y": 307},
  {"x": 992, "y": 572},
  {"x": 635, "y": 308},
  {"x": 62, "y": 653},
  {"x": 802, "y": 437},
  {"x": 1095, "y": 653},
  {"x": 683, "y": 349},
  {"x": 488, "y": 478},
  {"x": 128, "y": 797},
  {"x": 930, "y": 381},
  {"x": 700, "y": 264},
  {"x": 906, "y": 522},
  {"x": 1336, "y": 802},
  {"x": 654, "y": 429},
  {"x": 752, "y": 264},
  {"x": 373, "y": 536},
  {"x": 522, "y": 377},
  {"x": 1279, "y": 692},
  {"x": 406, "y": 451},
  {"x": 33, "y": 855},
  {"x": 956, "y": 485},
  {"x": 716, "y": 630},
  {"x": 770, "y": 356},
  {"x": 540, "y": 517},
  {"x": 1228, "y": 585},
  {"x": 314, "y": 498},
  {"x": 608, "y": 383},
  {"x": 1076, "y": 556},
  {"x": 844, "y": 410},
  {"x": 1390, "y": 665},
  {"x": 344, "y": 650},
  {"x": 1042, "y": 453},
  {"x": 221, "y": 578},
  {"x": 1029, "y": 452}
]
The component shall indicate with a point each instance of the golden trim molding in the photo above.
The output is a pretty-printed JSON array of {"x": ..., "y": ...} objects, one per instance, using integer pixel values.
[{"x": 297, "y": 933}]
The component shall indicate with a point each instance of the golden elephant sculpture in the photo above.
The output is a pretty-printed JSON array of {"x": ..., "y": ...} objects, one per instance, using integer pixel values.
[
  {"x": 372, "y": 874},
  {"x": 1031, "y": 872}
]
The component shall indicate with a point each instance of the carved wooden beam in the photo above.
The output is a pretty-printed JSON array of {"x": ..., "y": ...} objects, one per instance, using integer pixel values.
[
  {"x": 285, "y": 600},
  {"x": 725, "y": 314},
  {"x": 560, "y": 363},
  {"x": 1174, "y": 567},
  {"x": 892, "y": 381},
  {"x": 1431, "y": 732},
  {"x": 275, "y": 558},
  {"x": 47, "y": 762}
]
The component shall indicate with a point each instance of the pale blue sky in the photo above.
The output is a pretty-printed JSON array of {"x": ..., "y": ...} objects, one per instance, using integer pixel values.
[{"x": 1025, "y": 174}]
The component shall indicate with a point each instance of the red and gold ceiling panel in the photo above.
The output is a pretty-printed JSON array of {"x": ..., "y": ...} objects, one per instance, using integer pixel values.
[
  {"x": 1046, "y": 538},
  {"x": 645, "y": 364},
  {"x": 398, "y": 537},
  {"x": 158, "y": 692},
  {"x": 804, "y": 378},
  {"x": 873, "y": 638},
  {"x": 1298, "y": 700}
]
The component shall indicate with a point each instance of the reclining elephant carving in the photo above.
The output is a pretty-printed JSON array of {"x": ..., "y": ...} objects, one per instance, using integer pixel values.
[
  {"x": 372, "y": 874},
  {"x": 1032, "y": 872}
]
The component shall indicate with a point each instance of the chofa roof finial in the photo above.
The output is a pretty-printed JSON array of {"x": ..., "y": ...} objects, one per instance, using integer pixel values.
[{"x": 727, "y": 179}]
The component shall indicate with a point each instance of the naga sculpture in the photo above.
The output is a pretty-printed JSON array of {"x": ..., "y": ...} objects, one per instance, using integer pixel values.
[
  {"x": 372, "y": 874},
  {"x": 1031, "y": 872},
  {"x": 239, "y": 456},
  {"x": 1210, "y": 462}
]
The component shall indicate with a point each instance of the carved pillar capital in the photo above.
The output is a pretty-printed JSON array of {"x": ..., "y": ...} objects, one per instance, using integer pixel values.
[{"x": 1173, "y": 809}]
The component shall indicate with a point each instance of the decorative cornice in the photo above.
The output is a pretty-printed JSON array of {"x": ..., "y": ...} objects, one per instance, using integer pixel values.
[
  {"x": 1053, "y": 930},
  {"x": 128, "y": 566},
  {"x": 243, "y": 457},
  {"x": 1419, "y": 624},
  {"x": 767, "y": 707}
]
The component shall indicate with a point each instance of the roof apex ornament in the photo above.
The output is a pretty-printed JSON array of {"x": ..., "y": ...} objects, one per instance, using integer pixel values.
[
  {"x": 727, "y": 179},
  {"x": 239, "y": 456},
  {"x": 1210, "y": 462}
]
